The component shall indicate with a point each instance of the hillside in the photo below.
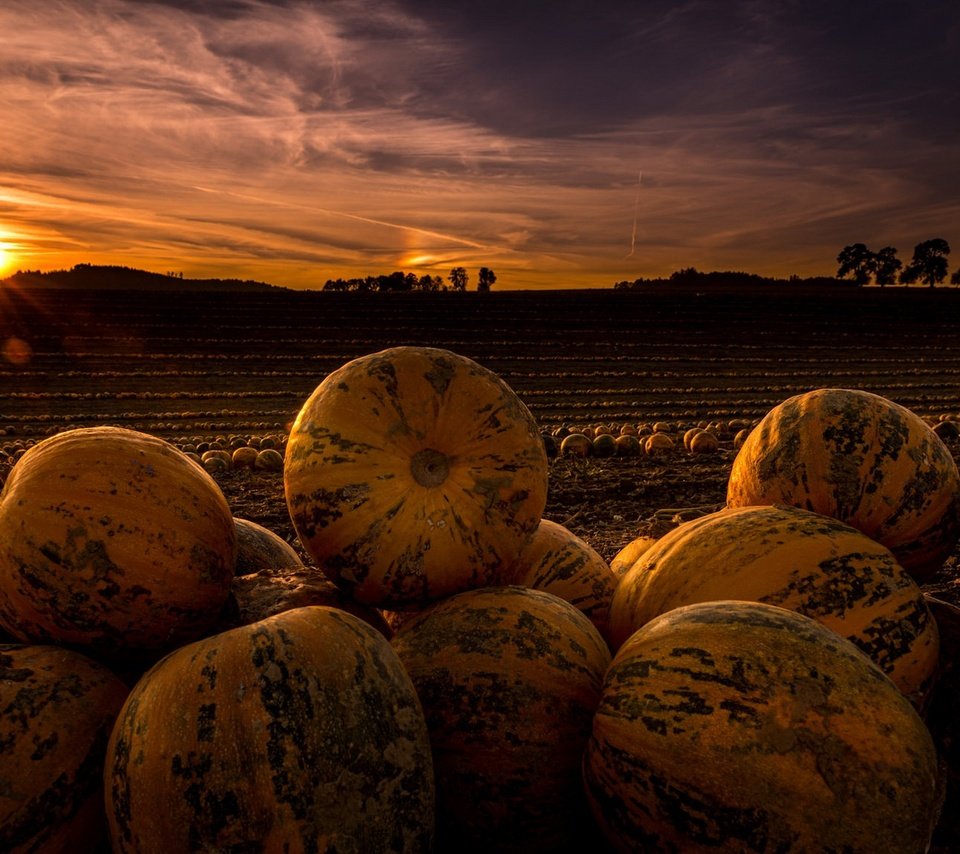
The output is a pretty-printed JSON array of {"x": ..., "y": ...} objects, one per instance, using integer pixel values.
[{"x": 114, "y": 278}]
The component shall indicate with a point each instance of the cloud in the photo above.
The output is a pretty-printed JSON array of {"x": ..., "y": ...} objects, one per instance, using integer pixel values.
[{"x": 353, "y": 134}]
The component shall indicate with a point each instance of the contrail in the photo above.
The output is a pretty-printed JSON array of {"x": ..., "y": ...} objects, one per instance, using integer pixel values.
[
  {"x": 356, "y": 217},
  {"x": 636, "y": 208}
]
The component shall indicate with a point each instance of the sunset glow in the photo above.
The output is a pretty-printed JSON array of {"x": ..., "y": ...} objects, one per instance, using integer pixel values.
[{"x": 295, "y": 141}]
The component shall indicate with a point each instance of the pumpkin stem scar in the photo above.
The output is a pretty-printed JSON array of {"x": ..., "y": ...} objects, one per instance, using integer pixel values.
[{"x": 429, "y": 468}]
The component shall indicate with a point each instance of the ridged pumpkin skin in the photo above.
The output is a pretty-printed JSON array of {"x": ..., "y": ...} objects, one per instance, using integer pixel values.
[
  {"x": 414, "y": 473},
  {"x": 630, "y": 554},
  {"x": 57, "y": 708},
  {"x": 862, "y": 459},
  {"x": 113, "y": 540},
  {"x": 509, "y": 679},
  {"x": 262, "y": 594},
  {"x": 260, "y": 548},
  {"x": 799, "y": 560},
  {"x": 557, "y": 561},
  {"x": 736, "y": 726},
  {"x": 299, "y": 733}
]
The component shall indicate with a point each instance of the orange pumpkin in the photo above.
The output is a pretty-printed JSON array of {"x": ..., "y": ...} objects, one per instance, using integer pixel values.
[
  {"x": 57, "y": 708},
  {"x": 861, "y": 459},
  {"x": 630, "y": 554},
  {"x": 260, "y": 548},
  {"x": 113, "y": 540},
  {"x": 270, "y": 591},
  {"x": 808, "y": 563},
  {"x": 298, "y": 733},
  {"x": 740, "y": 726},
  {"x": 557, "y": 561},
  {"x": 509, "y": 679},
  {"x": 414, "y": 473}
]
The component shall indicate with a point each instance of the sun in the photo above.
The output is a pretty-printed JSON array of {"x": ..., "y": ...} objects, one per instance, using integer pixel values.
[{"x": 7, "y": 259}]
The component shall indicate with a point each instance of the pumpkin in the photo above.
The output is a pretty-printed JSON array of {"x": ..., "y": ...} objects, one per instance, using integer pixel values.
[
  {"x": 509, "y": 679},
  {"x": 688, "y": 436},
  {"x": 796, "y": 559},
  {"x": 268, "y": 460},
  {"x": 272, "y": 590},
  {"x": 740, "y": 438},
  {"x": 558, "y": 561},
  {"x": 112, "y": 540},
  {"x": 627, "y": 445},
  {"x": 604, "y": 445},
  {"x": 576, "y": 445},
  {"x": 414, "y": 473},
  {"x": 658, "y": 444},
  {"x": 704, "y": 442},
  {"x": 629, "y": 554},
  {"x": 260, "y": 548},
  {"x": 244, "y": 457},
  {"x": 740, "y": 726},
  {"x": 862, "y": 459},
  {"x": 298, "y": 733},
  {"x": 57, "y": 708}
]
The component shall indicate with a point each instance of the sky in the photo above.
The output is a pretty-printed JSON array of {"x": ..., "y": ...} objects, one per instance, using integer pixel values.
[{"x": 560, "y": 143}]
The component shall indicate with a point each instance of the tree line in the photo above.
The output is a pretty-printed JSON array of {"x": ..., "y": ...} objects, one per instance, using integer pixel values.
[
  {"x": 402, "y": 282},
  {"x": 928, "y": 265}
]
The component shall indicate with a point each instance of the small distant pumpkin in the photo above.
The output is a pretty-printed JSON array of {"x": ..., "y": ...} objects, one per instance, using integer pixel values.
[
  {"x": 704, "y": 442},
  {"x": 658, "y": 444},
  {"x": 576, "y": 445}
]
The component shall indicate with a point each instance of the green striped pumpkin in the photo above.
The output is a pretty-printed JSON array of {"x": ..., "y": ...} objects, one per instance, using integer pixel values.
[
  {"x": 57, "y": 708},
  {"x": 509, "y": 679},
  {"x": 862, "y": 459},
  {"x": 260, "y": 548},
  {"x": 557, "y": 561},
  {"x": 414, "y": 473},
  {"x": 811, "y": 564},
  {"x": 745, "y": 727},
  {"x": 298, "y": 733},
  {"x": 115, "y": 541}
]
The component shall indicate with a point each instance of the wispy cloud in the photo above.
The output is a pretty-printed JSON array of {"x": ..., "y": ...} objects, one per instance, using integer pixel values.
[{"x": 302, "y": 140}]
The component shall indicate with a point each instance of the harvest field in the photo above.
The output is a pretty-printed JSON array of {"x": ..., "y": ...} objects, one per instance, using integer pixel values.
[
  {"x": 195, "y": 366},
  {"x": 183, "y": 365}
]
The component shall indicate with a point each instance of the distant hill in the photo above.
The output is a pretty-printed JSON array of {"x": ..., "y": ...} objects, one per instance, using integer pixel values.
[{"x": 113, "y": 278}]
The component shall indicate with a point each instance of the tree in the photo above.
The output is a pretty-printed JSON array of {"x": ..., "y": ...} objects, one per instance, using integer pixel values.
[
  {"x": 955, "y": 278},
  {"x": 929, "y": 263},
  {"x": 458, "y": 278},
  {"x": 886, "y": 266},
  {"x": 485, "y": 279},
  {"x": 856, "y": 261}
]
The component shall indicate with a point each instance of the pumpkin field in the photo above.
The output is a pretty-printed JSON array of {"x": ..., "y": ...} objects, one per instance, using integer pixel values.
[{"x": 224, "y": 377}]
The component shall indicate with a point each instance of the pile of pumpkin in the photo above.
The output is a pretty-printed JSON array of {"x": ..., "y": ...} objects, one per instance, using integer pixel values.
[{"x": 455, "y": 672}]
